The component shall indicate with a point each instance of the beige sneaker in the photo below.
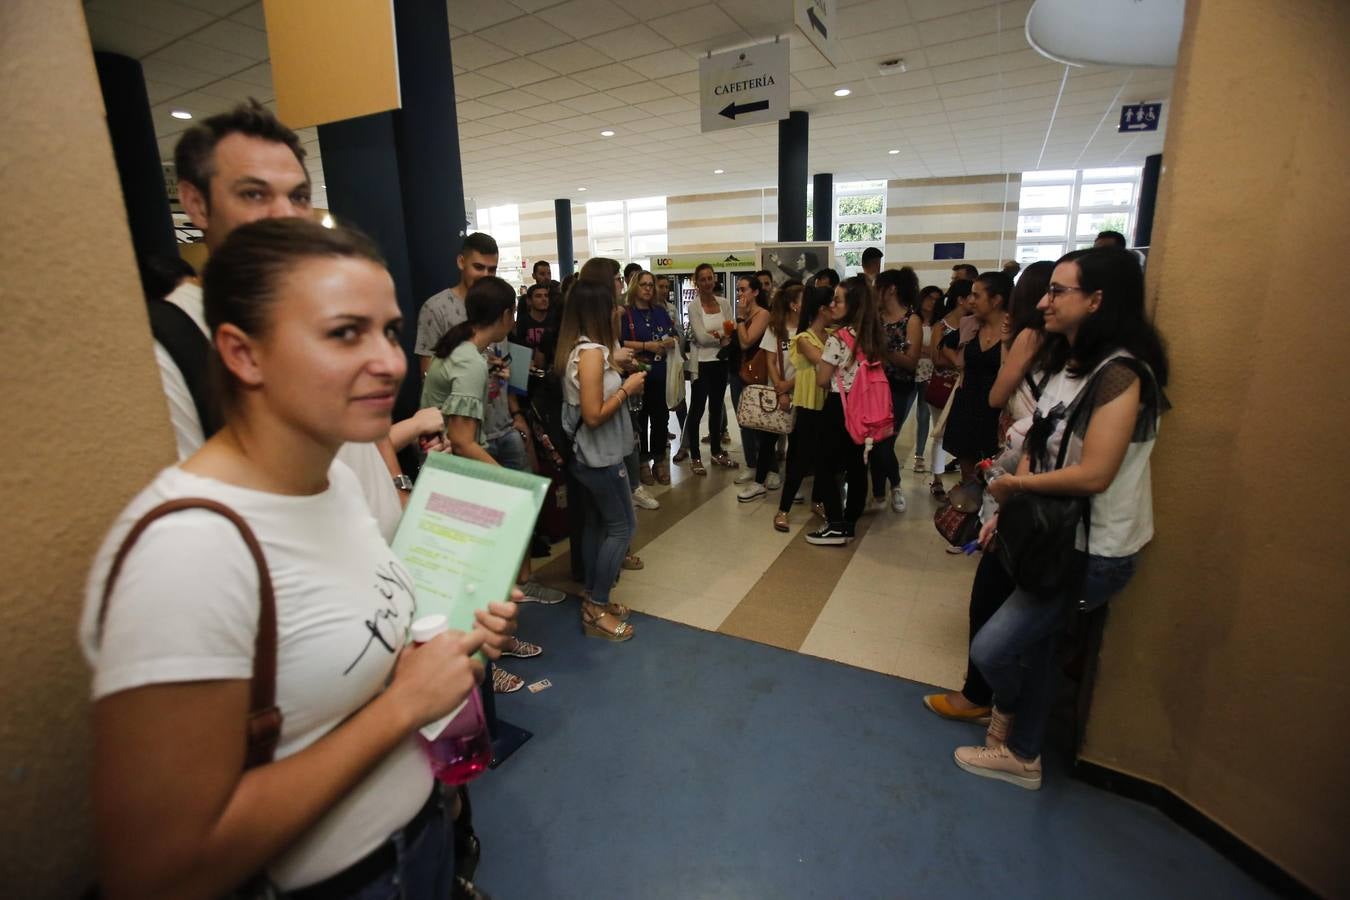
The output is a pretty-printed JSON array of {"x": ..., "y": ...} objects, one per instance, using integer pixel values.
[{"x": 1000, "y": 763}]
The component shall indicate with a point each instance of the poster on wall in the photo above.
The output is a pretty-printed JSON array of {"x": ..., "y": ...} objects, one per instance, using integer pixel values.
[{"x": 795, "y": 259}]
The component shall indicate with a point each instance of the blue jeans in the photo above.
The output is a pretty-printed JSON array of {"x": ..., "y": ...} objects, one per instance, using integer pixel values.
[
  {"x": 1015, "y": 650},
  {"x": 609, "y": 528},
  {"x": 509, "y": 451},
  {"x": 425, "y": 869}
]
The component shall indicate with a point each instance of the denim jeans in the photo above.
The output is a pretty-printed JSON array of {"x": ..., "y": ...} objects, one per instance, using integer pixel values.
[
  {"x": 883, "y": 464},
  {"x": 509, "y": 451},
  {"x": 923, "y": 412},
  {"x": 709, "y": 391},
  {"x": 425, "y": 869},
  {"x": 1015, "y": 650},
  {"x": 609, "y": 528}
]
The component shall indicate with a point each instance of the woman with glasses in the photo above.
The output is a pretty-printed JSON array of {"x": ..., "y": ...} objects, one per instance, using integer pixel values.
[
  {"x": 646, "y": 329},
  {"x": 1100, "y": 407}
]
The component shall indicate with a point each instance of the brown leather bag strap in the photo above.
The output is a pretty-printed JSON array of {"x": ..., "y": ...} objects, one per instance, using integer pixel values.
[{"x": 264, "y": 716}]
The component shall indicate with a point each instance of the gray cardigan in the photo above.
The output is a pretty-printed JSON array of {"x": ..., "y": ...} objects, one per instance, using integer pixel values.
[{"x": 693, "y": 314}]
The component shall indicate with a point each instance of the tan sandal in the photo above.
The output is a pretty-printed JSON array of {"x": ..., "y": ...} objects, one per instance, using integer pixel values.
[
  {"x": 697, "y": 467},
  {"x": 662, "y": 472},
  {"x": 725, "y": 461},
  {"x": 593, "y": 626},
  {"x": 633, "y": 562},
  {"x": 613, "y": 607}
]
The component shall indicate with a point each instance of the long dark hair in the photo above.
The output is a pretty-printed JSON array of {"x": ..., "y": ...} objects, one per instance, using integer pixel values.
[
  {"x": 813, "y": 299},
  {"x": 1120, "y": 322},
  {"x": 589, "y": 312},
  {"x": 1022, "y": 309},
  {"x": 239, "y": 285},
  {"x": 937, "y": 312},
  {"x": 862, "y": 315},
  {"x": 998, "y": 284},
  {"x": 485, "y": 303},
  {"x": 757, "y": 286},
  {"x": 781, "y": 309}
]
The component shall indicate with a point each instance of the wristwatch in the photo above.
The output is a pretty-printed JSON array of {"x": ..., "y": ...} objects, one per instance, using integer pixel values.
[{"x": 403, "y": 482}]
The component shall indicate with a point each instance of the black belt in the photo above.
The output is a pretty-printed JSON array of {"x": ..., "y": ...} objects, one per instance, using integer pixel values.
[{"x": 380, "y": 860}]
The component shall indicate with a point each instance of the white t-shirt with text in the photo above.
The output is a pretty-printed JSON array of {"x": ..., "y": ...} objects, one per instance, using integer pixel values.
[{"x": 185, "y": 609}]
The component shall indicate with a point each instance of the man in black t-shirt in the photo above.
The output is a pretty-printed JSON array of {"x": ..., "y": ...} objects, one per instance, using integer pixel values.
[{"x": 537, "y": 326}]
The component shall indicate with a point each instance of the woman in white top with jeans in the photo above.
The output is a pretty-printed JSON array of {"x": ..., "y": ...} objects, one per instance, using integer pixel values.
[
  {"x": 711, "y": 325},
  {"x": 595, "y": 415},
  {"x": 1105, "y": 359},
  {"x": 306, "y": 325}
]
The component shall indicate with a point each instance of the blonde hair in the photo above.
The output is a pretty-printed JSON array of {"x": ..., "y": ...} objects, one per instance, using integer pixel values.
[{"x": 631, "y": 293}]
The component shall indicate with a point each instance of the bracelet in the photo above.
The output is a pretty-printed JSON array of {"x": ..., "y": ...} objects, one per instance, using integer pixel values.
[{"x": 625, "y": 394}]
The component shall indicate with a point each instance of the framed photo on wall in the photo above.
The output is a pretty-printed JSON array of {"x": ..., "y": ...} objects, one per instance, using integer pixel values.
[{"x": 795, "y": 259}]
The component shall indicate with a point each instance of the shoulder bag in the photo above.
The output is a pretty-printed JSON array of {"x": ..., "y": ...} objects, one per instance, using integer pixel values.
[{"x": 264, "y": 718}]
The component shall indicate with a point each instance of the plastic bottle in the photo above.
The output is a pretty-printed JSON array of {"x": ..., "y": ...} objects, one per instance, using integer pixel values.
[
  {"x": 989, "y": 470},
  {"x": 635, "y": 400},
  {"x": 458, "y": 746}
]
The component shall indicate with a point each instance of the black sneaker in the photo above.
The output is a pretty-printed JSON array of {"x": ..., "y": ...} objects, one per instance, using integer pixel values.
[{"x": 829, "y": 536}]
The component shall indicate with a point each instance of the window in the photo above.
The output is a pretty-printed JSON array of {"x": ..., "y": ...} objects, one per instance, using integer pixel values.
[
  {"x": 859, "y": 223},
  {"x": 628, "y": 230},
  {"x": 503, "y": 223},
  {"x": 1087, "y": 201}
]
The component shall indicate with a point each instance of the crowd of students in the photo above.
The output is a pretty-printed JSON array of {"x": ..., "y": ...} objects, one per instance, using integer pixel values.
[{"x": 256, "y": 693}]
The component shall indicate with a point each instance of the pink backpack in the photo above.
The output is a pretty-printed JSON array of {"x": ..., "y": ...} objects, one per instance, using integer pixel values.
[{"x": 867, "y": 405}]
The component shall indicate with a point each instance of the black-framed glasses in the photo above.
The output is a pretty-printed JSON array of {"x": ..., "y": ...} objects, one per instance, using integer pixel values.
[{"x": 646, "y": 284}]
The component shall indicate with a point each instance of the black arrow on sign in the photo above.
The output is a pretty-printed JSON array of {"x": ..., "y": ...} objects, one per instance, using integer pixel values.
[
  {"x": 816, "y": 23},
  {"x": 732, "y": 110}
]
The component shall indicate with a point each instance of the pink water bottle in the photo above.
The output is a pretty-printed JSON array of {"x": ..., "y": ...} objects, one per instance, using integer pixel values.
[{"x": 458, "y": 746}]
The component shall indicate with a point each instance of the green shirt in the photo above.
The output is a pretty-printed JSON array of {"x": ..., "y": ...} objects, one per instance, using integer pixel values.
[{"x": 457, "y": 385}]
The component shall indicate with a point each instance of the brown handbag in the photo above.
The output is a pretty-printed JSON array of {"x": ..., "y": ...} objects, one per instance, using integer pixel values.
[
  {"x": 264, "y": 718},
  {"x": 754, "y": 367}
]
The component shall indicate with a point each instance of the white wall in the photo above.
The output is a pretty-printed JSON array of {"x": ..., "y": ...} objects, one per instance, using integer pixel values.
[
  {"x": 539, "y": 235},
  {"x": 733, "y": 220},
  {"x": 979, "y": 210}
]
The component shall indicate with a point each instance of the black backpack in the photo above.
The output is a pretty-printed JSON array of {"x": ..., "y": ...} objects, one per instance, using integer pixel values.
[{"x": 191, "y": 352}]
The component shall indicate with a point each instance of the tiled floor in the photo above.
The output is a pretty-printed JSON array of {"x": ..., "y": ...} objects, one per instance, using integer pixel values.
[{"x": 893, "y": 601}]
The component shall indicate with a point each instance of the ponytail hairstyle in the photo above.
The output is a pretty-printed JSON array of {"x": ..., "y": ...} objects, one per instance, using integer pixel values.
[
  {"x": 814, "y": 299},
  {"x": 906, "y": 284},
  {"x": 590, "y": 313},
  {"x": 781, "y": 309},
  {"x": 486, "y": 303},
  {"x": 242, "y": 279},
  {"x": 998, "y": 284},
  {"x": 957, "y": 293},
  {"x": 757, "y": 288},
  {"x": 861, "y": 314}
]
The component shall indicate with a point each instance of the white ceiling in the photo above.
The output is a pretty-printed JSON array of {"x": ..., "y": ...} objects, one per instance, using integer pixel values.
[{"x": 538, "y": 80}]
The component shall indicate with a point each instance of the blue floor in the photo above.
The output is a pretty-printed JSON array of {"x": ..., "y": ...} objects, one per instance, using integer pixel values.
[{"x": 688, "y": 764}]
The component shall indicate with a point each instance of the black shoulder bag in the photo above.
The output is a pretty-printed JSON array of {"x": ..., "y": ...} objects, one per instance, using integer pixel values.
[{"x": 1037, "y": 533}]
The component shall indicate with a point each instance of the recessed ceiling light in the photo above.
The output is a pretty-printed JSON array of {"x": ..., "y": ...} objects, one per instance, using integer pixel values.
[
  {"x": 892, "y": 152},
  {"x": 607, "y": 133},
  {"x": 181, "y": 114},
  {"x": 718, "y": 171},
  {"x": 581, "y": 189},
  {"x": 842, "y": 92}
]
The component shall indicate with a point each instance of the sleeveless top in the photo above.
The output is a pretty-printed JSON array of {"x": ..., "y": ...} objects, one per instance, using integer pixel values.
[
  {"x": 897, "y": 341},
  {"x": 610, "y": 442}
]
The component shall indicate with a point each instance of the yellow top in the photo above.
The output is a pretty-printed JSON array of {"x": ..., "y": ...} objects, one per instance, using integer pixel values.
[{"x": 806, "y": 394}]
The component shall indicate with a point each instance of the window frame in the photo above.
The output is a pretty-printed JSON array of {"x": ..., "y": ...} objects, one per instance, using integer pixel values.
[{"x": 1079, "y": 179}]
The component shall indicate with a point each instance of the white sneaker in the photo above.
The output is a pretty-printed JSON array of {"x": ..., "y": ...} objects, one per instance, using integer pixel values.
[
  {"x": 897, "y": 500},
  {"x": 751, "y": 491},
  {"x": 773, "y": 482},
  {"x": 747, "y": 475},
  {"x": 645, "y": 500}
]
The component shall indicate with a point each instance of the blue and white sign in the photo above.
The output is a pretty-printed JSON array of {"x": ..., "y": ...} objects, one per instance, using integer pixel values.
[{"x": 1140, "y": 117}]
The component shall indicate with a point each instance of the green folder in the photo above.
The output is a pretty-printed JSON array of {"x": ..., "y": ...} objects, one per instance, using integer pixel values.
[{"x": 465, "y": 533}]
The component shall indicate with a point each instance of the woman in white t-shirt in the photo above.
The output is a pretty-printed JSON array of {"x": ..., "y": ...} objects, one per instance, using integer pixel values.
[
  {"x": 306, "y": 325},
  {"x": 776, "y": 345},
  {"x": 711, "y": 327},
  {"x": 1107, "y": 369}
]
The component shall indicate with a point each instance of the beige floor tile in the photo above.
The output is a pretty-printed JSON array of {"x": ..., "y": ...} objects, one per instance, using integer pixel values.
[
  {"x": 944, "y": 625},
  {"x": 929, "y": 665},
  {"x": 886, "y": 615},
  {"x": 854, "y": 646}
]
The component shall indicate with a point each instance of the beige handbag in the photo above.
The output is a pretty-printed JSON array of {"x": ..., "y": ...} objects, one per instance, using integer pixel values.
[{"x": 759, "y": 410}]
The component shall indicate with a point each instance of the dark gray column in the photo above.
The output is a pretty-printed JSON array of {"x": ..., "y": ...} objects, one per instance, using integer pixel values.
[
  {"x": 822, "y": 207},
  {"x": 136, "y": 151},
  {"x": 793, "y": 133},
  {"x": 562, "y": 218},
  {"x": 396, "y": 175},
  {"x": 1148, "y": 198}
]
